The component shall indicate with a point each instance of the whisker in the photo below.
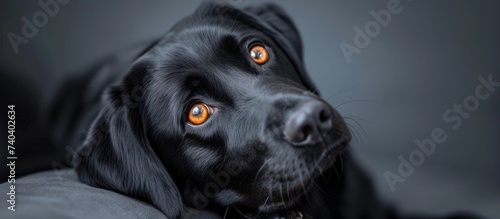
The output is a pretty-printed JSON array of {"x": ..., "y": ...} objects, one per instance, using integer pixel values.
[
  {"x": 225, "y": 213},
  {"x": 304, "y": 187},
  {"x": 322, "y": 174},
  {"x": 341, "y": 163},
  {"x": 352, "y": 101},
  {"x": 281, "y": 194},
  {"x": 358, "y": 118},
  {"x": 241, "y": 213},
  {"x": 312, "y": 191},
  {"x": 319, "y": 202},
  {"x": 360, "y": 126},
  {"x": 270, "y": 191},
  {"x": 323, "y": 191},
  {"x": 314, "y": 182},
  {"x": 260, "y": 169},
  {"x": 338, "y": 176},
  {"x": 265, "y": 202},
  {"x": 354, "y": 132},
  {"x": 288, "y": 189},
  {"x": 342, "y": 91}
]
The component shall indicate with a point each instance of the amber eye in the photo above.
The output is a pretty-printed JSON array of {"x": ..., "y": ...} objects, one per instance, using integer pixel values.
[
  {"x": 199, "y": 113},
  {"x": 259, "y": 54}
]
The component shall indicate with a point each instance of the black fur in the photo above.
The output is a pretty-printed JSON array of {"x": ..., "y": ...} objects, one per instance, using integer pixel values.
[{"x": 239, "y": 161}]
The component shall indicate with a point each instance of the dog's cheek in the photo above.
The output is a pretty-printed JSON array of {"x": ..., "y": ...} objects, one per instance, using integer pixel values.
[{"x": 202, "y": 158}]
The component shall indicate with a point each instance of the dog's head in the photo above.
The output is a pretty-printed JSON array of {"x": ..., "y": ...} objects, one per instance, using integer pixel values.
[{"x": 219, "y": 112}]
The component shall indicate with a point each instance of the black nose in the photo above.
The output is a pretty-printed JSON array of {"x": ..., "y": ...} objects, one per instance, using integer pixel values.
[{"x": 306, "y": 122}]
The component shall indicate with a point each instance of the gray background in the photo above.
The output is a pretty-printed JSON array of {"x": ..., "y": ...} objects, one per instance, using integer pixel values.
[{"x": 396, "y": 90}]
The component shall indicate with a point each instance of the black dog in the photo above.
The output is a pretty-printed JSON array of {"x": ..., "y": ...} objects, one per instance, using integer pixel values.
[{"x": 220, "y": 115}]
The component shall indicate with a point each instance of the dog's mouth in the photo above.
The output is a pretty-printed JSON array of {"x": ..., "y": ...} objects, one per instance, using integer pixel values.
[{"x": 290, "y": 189}]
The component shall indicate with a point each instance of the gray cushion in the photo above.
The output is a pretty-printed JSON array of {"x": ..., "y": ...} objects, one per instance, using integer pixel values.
[{"x": 59, "y": 194}]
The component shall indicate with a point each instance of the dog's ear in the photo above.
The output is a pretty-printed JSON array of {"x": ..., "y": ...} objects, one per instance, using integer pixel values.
[
  {"x": 273, "y": 21},
  {"x": 116, "y": 154}
]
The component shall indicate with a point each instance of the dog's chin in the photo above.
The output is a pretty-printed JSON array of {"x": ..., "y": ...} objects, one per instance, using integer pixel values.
[
  {"x": 289, "y": 192},
  {"x": 289, "y": 196}
]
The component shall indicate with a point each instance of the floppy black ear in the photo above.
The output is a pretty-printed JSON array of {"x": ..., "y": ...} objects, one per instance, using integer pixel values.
[
  {"x": 116, "y": 154},
  {"x": 273, "y": 20}
]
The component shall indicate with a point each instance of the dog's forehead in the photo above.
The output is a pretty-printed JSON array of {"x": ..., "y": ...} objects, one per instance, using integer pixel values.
[
  {"x": 211, "y": 28},
  {"x": 205, "y": 48},
  {"x": 206, "y": 39}
]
